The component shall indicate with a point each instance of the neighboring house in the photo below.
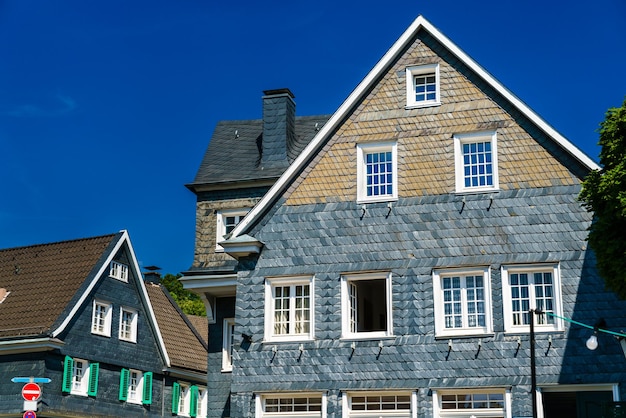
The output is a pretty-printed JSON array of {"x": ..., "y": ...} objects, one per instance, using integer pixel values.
[
  {"x": 77, "y": 312},
  {"x": 392, "y": 269}
]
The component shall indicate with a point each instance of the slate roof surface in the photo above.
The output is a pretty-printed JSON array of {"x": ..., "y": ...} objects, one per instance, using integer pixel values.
[
  {"x": 42, "y": 280},
  {"x": 184, "y": 346},
  {"x": 234, "y": 157}
]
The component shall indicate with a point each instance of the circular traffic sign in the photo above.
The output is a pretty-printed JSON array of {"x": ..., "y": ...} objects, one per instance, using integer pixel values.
[
  {"x": 31, "y": 391},
  {"x": 29, "y": 414}
]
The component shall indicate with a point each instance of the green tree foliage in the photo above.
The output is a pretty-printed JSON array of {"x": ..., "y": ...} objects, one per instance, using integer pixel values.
[
  {"x": 604, "y": 193},
  {"x": 188, "y": 302}
]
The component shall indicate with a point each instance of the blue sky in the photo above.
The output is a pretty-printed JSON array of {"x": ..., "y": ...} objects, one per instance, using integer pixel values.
[{"x": 106, "y": 107}]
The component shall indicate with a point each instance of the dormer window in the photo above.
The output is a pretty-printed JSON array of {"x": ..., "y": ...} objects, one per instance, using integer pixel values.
[
  {"x": 227, "y": 220},
  {"x": 422, "y": 86}
]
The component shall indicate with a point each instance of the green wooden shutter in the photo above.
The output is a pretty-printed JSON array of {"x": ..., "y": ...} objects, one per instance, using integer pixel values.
[
  {"x": 193, "y": 401},
  {"x": 68, "y": 367},
  {"x": 94, "y": 369},
  {"x": 175, "y": 397},
  {"x": 124, "y": 376},
  {"x": 147, "y": 389}
]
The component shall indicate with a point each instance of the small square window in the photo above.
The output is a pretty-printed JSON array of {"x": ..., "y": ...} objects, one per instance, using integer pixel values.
[
  {"x": 228, "y": 344},
  {"x": 227, "y": 220},
  {"x": 531, "y": 287},
  {"x": 422, "y": 86},
  {"x": 289, "y": 312},
  {"x": 462, "y": 301},
  {"x": 119, "y": 271},
  {"x": 476, "y": 162},
  {"x": 377, "y": 172},
  {"x": 101, "y": 318},
  {"x": 128, "y": 325},
  {"x": 366, "y": 305}
]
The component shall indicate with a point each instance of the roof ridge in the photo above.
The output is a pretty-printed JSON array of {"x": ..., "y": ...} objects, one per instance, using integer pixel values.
[{"x": 67, "y": 241}]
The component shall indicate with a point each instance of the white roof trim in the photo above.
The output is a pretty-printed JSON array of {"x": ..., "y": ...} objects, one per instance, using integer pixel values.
[
  {"x": 368, "y": 81},
  {"x": 143, "y": 292}
]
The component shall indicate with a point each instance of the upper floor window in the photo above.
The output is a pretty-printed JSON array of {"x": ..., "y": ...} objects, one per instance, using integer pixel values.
[
  {"x": 101, "y": 318},
  {"x": 128, "y": 325},
  {"x": 135, "y": 386},
  {"x": 422, "y": 86},
  {"x": 80, "y": 377},
  {"x": 227, "y": 220},
  {"x": 377, "y": 172},
  {"x": 476, "y": 162},
  {"x": 380, "y": 404},
  {"x": 119, "y": 271},
  {"x": 288, "y": 308},
  {"x": 527, "y": 287},
  {"x": 291, "y": 405},
  {"x": 462, "y": 301},
  {"x": 366, "y": 305},
  {"x": 228, "y": 344}
]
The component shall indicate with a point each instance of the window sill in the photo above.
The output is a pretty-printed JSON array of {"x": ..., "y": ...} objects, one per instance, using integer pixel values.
[
  {"x": 101, "y": 334},
  {"x": 368, "y": 336},
  {"x": 128, "y": 340},
  {"x": 290, "y": 339},
  {"x": 538, "y": 330},
  {"x": 422, "y": 105},
  {"x": 381, "y": 199},
  {"x": 227, "y": 370},
  {"x": 477, "y": 191},
  {"x": 468, "y": 334}
]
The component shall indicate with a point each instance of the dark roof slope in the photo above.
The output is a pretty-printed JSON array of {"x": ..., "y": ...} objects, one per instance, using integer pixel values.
[
  {"x": 42, "y": 280},
  {"x": 233, "y": 153},
  {"x": 184, "y": 346}
]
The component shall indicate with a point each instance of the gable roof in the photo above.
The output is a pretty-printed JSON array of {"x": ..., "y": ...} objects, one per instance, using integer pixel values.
[
  {"x": 420, "y": 23},
  {"x": 185, "y": 346},
  {"x": 233, "y": 154},
  {"x": 43, "y": 279}
]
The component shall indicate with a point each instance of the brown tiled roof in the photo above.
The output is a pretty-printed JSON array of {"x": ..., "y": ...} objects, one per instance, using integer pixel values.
[
  {"x": 201, "y": 324},
  {"x": 42, "y": 280},
  {"x": 184, "y": 348}
]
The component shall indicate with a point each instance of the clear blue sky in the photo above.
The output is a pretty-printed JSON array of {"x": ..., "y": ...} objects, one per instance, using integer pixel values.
[{"x": 106, "y": 107}]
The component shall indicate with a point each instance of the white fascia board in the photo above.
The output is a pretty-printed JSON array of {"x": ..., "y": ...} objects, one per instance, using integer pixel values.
[
  {"x": 30, "y": 345},
  {"x": 186, "y": 374},
  {"x": 363, "y": 87}
]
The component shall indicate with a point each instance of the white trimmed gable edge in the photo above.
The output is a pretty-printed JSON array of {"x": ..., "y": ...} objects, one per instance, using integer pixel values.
[
  {"x": 124, "y": 239},
  {"x": 363, "y": 87}
]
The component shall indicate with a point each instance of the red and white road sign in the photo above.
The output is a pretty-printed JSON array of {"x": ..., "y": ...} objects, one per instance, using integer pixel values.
[
  {"x": 31, "y": 391},
  {"x": 30, "y": 414}
]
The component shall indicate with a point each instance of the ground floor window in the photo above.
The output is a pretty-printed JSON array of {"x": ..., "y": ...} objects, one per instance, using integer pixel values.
[
  {"x": 359, "y": 404},
  {"x": 461, "y": 403},
  {"x": 580, "y": 401},
  {"x": 292, "y": 405}
]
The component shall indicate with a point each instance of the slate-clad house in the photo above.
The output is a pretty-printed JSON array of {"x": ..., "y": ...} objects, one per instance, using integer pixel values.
[
  {"x": 78, "y": 313},
  {"x": 396, "y": 266}
]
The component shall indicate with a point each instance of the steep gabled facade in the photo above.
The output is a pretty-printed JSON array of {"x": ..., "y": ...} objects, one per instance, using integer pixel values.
[{"x": 398, "y": 265}]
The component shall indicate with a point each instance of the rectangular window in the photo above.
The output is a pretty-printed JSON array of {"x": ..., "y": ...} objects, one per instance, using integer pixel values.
[
  {"x": 101, "y": 318},
  {"x": 80, "y": 377},
  {"x": 531, "y": 287},
  {"x": 380, "y": 404},
  {"x": 422, "y": 86},
  {"x": 119, "y": 271},
  {"x": 184, "y": 398},
  {"x": 366, "y": 305},
  {"x": 227, "y": 220},
  {"x": 461, "y": 403},
  {"x": 377, "y": 172},
  {"x": 462, "y": 301},
  {"x": 128, "y": 325},
  {"x": 294, "y": 405},
  {"x": 476, "y": 164},
  {"x": 288, "y": 309},
  {"x": 228, "y": 344},
  {"x": 135, "y": 386},
  {"x": 202, "y": 403}
]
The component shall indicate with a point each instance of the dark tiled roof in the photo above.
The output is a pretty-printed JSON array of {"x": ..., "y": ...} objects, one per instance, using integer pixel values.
[
  {"x": 183, "y": 345},
  {"x": 42, "y": 280},
  {"x": 234, "y": 157}
]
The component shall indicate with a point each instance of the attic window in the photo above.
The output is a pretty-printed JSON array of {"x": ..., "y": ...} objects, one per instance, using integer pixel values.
[
  {"x": 227, "y": 220},
  {"x": 119, "y": 271},
  {"x": 422, "y": 86},
  {"x": 3, "y": 294}
]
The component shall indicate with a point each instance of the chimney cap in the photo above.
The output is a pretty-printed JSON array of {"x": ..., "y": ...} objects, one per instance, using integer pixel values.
[{"x": 278, "y": 92}]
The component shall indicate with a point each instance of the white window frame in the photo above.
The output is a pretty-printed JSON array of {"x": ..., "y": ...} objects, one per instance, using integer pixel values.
[
  {"x": 439, "y": 412},
  {"x": 220, "y": 227},
  {"x": 347, "y": 412},
  {"x": 347, "y": 307},
  {"x": 555, "y": 270},
  {"x": 135, "y": 396},
  {"x": 203, "y": 402},
  {"x": 470, "y": 138},
  {"x": 362, "y": 151},
  {"x": 184, "y": 399},
  {"x": 97, "y": 317},
  {"x": 119, "y": 271},
  {"x": 270, "y": 284},
  {"x": 438, "y": 294},
  {"x": 418, "y": 70},
  {"x": 80, "y": 386},
  {"x": 133, "y": 325},
  {"x": 228, "y": 335},
  {"x": 260, "y": 398}
]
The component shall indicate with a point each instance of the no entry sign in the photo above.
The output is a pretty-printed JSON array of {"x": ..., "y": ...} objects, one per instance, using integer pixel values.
[{"x": 31, "y": 391}]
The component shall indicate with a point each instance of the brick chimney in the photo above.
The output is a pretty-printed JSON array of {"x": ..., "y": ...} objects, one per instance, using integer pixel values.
[{"x": 279, "y": 116}]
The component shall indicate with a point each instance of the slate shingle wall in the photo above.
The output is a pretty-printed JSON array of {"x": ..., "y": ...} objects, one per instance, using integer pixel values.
[
  {"x": 219, "y": 382},
  {"x": 420, "y": 234}
]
